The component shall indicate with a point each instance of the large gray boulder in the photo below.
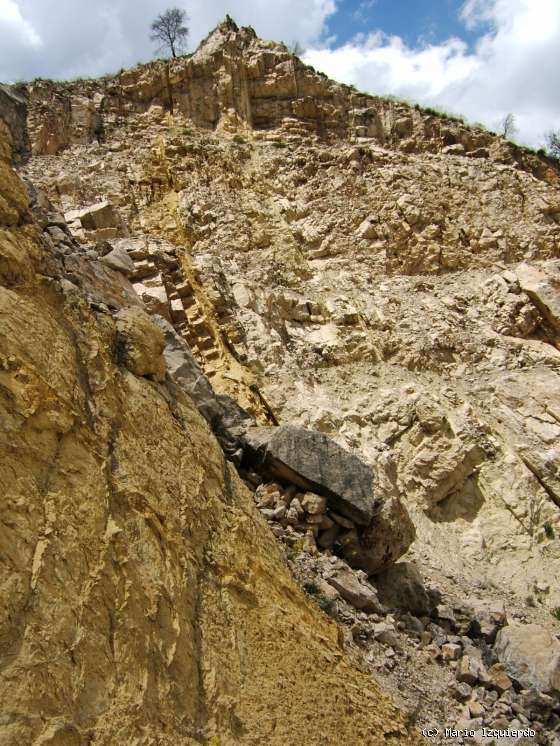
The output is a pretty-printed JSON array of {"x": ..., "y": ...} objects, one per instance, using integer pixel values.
[
  {"x": 315, "y": 463},
  {"x": 531, "y": 656}
]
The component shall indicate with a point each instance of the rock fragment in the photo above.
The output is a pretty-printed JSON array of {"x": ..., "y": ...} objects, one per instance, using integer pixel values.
[
  {"x": 471, "y": 671},
  {"x": 384, "y": 541},
  {"x": 531, "y": 656},
  {"x": 360, "y": 595},
  {"x": 543, "y": 290},
  {"x": 140, "y": 343},
  {"x": 401, "y": 586},
  {"x": 119, "y": 260}
]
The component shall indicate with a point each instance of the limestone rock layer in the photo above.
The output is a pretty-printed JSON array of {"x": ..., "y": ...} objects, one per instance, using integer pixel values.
[
  {"x": 335, "y": 261},
  {"x": 142, "y": 598}
]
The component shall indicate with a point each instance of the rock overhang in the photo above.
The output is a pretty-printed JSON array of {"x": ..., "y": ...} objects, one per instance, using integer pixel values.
[{"x": 313, "y": 461}]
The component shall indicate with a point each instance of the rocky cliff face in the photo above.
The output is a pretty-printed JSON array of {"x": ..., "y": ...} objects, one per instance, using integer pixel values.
[
  {"x": 13, "y": 110},
  {"x": 143, "y": 598},
  {"x": 334, "y": 261},
  {"x": 238, "y": 82}
]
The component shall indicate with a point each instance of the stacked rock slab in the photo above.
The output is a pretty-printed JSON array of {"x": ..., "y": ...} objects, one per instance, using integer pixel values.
[
  {"x": 312, "y": 460},
  {"x": 376, "y": 532}
]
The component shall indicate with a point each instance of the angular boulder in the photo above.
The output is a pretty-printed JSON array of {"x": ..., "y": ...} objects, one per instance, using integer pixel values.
[
  {"x": 315, "y": 463},
  {"x": 154, "y": 298},
  {"x": 386, "y": 538},
  {"x": 119, "y": 260},
  {"x": 531, "y": 656},
  {"x": 140, "y": 344},
  {"x": 471, "y": 671},
  {"x": 100, "y": 215},
  {"x": 400, "y": 586},
  {"x": 357, "y": 594},
  {"x": 367, "y": 229},
  {"x": 543, "y": 288},
  {"x": 487, "y": 619},
  {"x": 499, "y": 680}
]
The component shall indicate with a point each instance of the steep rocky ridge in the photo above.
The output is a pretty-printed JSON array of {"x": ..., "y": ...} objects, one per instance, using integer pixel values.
[
  {"x": 143, "y": 599},
  {"x": 236, "y": 81},
  {"x": 345, "y": 263}
]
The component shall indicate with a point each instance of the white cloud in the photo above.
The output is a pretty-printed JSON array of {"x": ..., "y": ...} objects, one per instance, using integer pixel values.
[
  {"x": 15, "y": 24},
  {"x": 476, "y": 12},
  {"x": 513, "y": 68},
  {"x": 380, "y": 61},
  {"x": 363, "y": 11},
  {"x": 93, "y": 37},
  {"x": 281, "y": 20}
]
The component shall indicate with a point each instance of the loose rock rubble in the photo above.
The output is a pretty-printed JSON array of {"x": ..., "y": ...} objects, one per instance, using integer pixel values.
[
  {"x": 368, "y": 276},
  {"x": 465, "y": 682},
  {"x": 303, "y": 517},
  {"x": 314, "y": 520},
  {"x": 499, "y": 676}
]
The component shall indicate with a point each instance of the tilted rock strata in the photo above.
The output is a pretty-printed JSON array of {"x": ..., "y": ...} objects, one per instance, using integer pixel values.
[
  {"x": 13, "y": 110},
  {"x": 227, "y": 419},
  {"x": 371, "y": 284},
  {"x": 13, "y": 205},
  {"x": 142, "y": 596}
]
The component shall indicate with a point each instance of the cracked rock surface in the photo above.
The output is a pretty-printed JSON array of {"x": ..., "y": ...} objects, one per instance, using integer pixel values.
[
  {"x": 142, "y": 597},
  {"x": 323, "y": 260}
]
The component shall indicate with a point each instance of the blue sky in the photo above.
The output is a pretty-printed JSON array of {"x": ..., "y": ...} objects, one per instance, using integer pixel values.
[
  {"x": 415, "y": 21},
  {"x": 480, "y": 58}
]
